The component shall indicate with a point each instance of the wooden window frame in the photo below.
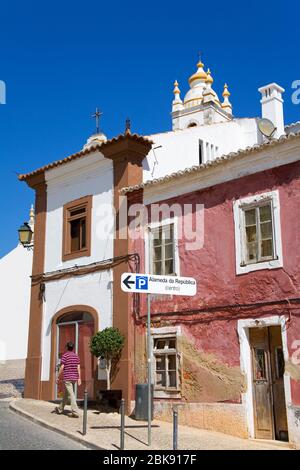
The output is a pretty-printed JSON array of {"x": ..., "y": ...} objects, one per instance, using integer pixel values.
[
  {"x": 83, "y": 202},
  {"x": 239, "y": 207},
  {"x": 166, "y": 352},
  {"x": 164, "y": 228},
  {"x": 259, "y": 257}
]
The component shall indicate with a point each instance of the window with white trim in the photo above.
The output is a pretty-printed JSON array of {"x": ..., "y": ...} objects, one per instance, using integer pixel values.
[
  {"x": 162, "y": 250},
  {"x": 257, "y": 232},
  {"x": 166, "y": 363}
]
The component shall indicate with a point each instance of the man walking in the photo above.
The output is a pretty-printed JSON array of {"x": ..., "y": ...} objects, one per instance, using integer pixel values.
[{"x": 70, "y": 369}]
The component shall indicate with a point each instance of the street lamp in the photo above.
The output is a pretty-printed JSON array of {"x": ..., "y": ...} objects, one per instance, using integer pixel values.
[{"x": 25, "y": 235}]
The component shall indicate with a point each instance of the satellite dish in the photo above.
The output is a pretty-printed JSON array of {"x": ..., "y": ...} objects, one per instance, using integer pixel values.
[{"x": 266, "y": 127}]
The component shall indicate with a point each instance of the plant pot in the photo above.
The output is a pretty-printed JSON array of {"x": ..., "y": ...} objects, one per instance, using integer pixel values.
[{"x": 109, "y": 399}]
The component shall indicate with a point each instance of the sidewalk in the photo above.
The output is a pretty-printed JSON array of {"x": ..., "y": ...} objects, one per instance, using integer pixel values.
[
  {"x": 12, "y": 378},
  {"x": 103, "y": 431}
]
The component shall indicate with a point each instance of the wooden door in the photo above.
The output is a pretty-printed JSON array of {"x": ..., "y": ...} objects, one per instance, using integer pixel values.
[
  {"x": 85, "y": 332},
  {"x": 277, "y": 371},
  {"x": 261, "y": 379},
  {"x": 80, "y": 333}
]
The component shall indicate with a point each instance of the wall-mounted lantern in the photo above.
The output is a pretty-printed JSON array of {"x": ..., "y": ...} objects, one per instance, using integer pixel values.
[{"x": 25, "y": 235}]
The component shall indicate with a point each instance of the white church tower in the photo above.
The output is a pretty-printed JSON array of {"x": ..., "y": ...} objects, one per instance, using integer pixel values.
[{"x": 201, "y": 104}]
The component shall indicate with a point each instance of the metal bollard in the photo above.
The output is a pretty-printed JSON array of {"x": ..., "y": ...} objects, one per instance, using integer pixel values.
[
  {"x": 175, "y": 428},
  {"x": 85, "y": 403},
  {"x": 122, "y": 428}
]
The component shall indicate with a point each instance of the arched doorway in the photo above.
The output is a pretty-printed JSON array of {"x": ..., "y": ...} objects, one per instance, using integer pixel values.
[{"x": 78, "y": 327}]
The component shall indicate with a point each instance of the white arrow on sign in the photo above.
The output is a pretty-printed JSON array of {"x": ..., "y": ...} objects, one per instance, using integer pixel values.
[{"x": 154, "y": 284}]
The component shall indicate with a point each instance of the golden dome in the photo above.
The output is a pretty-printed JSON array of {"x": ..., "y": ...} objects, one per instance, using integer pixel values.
[
  {"x": 176, "y": 90},
  {"x": 200, "y": 74},
  {"x": 225, "y": 92},
  {"x": 209, "y": 78}
]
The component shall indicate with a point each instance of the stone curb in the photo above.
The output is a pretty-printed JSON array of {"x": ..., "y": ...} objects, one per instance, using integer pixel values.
[{"x": 13, "y": 406}]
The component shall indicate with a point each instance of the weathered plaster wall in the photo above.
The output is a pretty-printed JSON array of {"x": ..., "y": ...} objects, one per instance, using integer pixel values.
[
  {"x": 205, "y": 376},
  {"x": 222, "y": 417},
  {"x": 214, "y": 358},
  {"x": 214, "y": 265}
]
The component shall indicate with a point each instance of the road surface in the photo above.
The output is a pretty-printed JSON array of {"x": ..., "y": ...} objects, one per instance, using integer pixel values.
[{"x": 17, "y": 433}]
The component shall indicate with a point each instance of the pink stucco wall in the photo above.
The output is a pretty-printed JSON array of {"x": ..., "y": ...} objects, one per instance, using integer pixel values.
[{"x": 220, "y": 290}]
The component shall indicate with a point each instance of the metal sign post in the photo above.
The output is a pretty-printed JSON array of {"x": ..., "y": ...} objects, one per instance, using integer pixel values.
[
  {"x": 149, "y": 368},
  {"x": 155, "y": 284}
]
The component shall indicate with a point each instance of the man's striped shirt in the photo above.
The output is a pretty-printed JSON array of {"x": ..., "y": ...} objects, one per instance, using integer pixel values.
[{"x": 70, "y": 360}]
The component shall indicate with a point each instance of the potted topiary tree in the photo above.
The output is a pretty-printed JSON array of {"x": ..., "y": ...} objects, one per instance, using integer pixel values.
[{"x": 108, "y": 344}]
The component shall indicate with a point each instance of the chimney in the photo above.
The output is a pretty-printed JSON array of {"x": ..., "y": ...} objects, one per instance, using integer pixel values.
[{"x": 272, "y": 106}]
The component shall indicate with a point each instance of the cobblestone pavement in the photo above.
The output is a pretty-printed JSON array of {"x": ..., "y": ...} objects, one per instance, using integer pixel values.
[
  {"x": 17, "y": 433},
  {"x": 12, "y": 378},
  {"x": 103, "y": 431}
]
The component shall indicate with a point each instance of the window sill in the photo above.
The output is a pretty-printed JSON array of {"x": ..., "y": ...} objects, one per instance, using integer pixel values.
[
  {"x": 271, "y": 264},
  {"x": 76, "y": 254},
  {"x": 167, "y": 393}
]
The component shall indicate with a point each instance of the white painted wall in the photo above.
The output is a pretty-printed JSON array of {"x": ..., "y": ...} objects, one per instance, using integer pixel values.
[
  {"x": 91, "y": 175},
  {"x": 94, "y": 290},
  {"x": 15, "y": 271},
  {"x": 180, "y": 149}
]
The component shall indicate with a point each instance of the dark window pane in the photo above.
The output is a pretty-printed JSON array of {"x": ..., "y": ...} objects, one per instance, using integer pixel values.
[
  {"x": 260, "y": 366},
  {"x": 172, "y": 362},
  {"x": 157, "y": 268},
  {"x": 172, "y": 343},
  {"x": 159, "y": 343},
  {"x": 169, "y": 267},
  {"x": 266, "y": 248},
  {"x": 279, "y": 363},
  {"x": 169, "y": 251},
  {"x": 266, "y": 230},
  {"x": 265, "y": 213},
  {"x": 160, "y": 363},
  {"x": 75, "y": 235},
  {"x": 251, "y": 251},
  {"x": 161, "y": 379},
  {"x": 77, "y": 211},
  {"x": 250, "y": 218},
  {"x": 172, "y": 378},
  {"x": 83, "y": 233},
  {"x": 168, "y": 232},
  {"x": 157, "y": 236},
  {"x": 76, "y": 316},
  {"x": 251, "y": 233},
  {"x": 157, "y": 253}
]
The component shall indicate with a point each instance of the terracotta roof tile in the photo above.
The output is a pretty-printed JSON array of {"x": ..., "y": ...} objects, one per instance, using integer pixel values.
[{"x": 81, "y": 154}]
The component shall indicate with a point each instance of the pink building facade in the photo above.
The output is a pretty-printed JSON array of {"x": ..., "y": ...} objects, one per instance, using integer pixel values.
[{"x": 229, "y": 356}]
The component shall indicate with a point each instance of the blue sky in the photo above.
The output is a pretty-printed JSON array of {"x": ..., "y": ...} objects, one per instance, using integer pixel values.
[{"x": 60, "y": 60}]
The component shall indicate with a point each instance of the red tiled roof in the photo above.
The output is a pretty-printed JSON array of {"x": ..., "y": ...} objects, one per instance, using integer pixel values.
[{"x": 82, "y": 153}]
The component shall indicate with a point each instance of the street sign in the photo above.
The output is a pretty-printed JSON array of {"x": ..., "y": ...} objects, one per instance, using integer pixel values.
[{"x": 154, "y": 284}]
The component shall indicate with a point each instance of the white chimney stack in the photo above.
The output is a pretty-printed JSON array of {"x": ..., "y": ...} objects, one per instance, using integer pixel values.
[{"x": 272, "y": 106}]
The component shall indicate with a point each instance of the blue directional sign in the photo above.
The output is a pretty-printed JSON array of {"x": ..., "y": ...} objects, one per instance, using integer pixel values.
[
  {"x": 154, "y": 284},
  {"x": 141, "y": 282}
]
